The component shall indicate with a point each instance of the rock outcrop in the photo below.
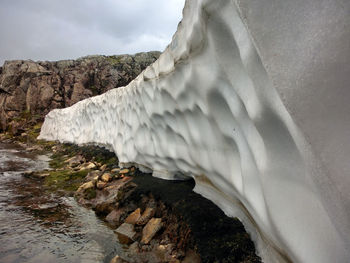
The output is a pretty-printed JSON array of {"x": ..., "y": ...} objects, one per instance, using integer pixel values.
[{"x": 35, "y": 88}]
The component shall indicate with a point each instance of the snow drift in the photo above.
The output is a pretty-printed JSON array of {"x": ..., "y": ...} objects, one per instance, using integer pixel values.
[{"x": 241, "y": 101}]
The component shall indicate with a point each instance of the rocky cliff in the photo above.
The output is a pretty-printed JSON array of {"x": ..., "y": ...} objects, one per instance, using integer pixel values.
[{"x": 29, "y": 88}]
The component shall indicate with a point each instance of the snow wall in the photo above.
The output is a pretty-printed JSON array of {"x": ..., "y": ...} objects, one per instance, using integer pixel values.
[{"x": 251, "y": 99}]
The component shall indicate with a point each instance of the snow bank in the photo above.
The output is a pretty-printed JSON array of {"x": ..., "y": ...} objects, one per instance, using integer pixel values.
[{"x": 210, "y": 108}]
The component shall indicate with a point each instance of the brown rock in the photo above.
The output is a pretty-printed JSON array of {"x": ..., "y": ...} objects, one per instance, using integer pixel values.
[
  {"x": 151, "y": 229},
  {"x": 126, "y": 233},
  {"x": 86, "y": 186},
  {"x": 106, "y": 177},
  {"x": 146, "y": 216},
  {"x": 124, "y": 171},
  {"x": 114, "y": 217},
  {"x": 133, "y": 217},
  {"x": 115, "y": 170}
]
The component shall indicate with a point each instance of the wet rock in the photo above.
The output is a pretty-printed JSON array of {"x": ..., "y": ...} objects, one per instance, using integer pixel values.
[
  {"x": 151, "y": 229},
  {"x": 114, "y": 217},
  {"x": 104, "y": 207},
  {"x": 126, "y": 233},
  {"x": 106, "y": 177},
  {"x": 146, "y": 216},
  {"x": 133, "y": 217}
]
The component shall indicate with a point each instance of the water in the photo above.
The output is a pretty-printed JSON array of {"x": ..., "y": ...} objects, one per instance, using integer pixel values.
[{"x": 39, "y": 226}]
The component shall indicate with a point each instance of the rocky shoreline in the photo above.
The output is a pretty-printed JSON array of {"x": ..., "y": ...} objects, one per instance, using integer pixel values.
[{"x": 156, "y": 220}]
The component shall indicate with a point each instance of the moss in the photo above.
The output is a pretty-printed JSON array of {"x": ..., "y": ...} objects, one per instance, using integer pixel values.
[
  {"x": 56, "y": 162},
  {"x": 90, "y": 193},
  {"x": 65, "y": 179}
]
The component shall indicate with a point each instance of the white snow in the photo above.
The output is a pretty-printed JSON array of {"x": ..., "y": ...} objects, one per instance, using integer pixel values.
[{"x": 210, "y": 108}]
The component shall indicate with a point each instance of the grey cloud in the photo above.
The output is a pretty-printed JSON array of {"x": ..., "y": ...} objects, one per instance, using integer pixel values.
[{"x": 61, "y": 29}]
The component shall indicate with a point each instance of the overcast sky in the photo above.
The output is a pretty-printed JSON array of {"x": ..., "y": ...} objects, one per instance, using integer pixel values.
[{"x": 63, "y": 29}]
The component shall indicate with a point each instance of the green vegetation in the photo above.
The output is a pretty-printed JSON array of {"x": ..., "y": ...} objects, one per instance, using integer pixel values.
[
  {"x": 90, "y": 193},
  {"x": 67, "y": 180}
]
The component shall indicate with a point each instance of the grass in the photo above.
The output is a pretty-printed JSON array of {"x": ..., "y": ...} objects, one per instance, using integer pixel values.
[{"x": 65, "y": 179}]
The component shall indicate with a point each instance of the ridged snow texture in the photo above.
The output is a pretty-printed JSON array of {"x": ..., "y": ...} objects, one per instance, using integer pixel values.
[{"x": 208, "y": 109}]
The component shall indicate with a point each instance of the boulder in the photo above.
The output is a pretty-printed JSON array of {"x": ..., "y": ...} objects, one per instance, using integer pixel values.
[{"x": 126, "y": 233}]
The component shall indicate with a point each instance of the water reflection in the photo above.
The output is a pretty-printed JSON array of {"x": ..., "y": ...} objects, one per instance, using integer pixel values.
[{"x": 39, "y": 226}]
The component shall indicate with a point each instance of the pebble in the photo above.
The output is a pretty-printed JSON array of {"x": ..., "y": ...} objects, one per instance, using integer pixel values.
[{"x": 124, "y": 171}]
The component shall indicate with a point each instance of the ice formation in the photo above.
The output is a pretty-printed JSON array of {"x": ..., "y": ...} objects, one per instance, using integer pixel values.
[{"x": 251, "y": 100}]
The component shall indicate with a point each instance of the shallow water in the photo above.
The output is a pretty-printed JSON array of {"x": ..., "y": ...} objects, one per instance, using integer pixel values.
[{"x": 39, "y": 226}]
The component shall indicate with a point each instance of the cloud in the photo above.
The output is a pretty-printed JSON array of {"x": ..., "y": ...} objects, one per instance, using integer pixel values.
[{"x": 62, "y": 29}]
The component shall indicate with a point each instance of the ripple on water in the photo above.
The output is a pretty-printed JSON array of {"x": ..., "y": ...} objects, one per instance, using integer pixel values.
[{"x": 36, "y": 226}]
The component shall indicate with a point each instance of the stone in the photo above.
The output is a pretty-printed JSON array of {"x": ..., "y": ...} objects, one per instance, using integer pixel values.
[
  {"x": 106, "y": 177},
  {"x": 114, "y": 217},
  {"x": 86, "y": 186},
  {"x": 133, "y": 217},
  {"x": 146, "y": 216},
  {"x": 151, "y": 229},
  {"x": 126, "y": 233},
  {"x": 124, "y": 171},
  {"x": 90, "y": 166}
]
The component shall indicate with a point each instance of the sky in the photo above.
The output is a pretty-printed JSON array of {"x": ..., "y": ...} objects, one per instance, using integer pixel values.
[{"x": 66, "y": 29}]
